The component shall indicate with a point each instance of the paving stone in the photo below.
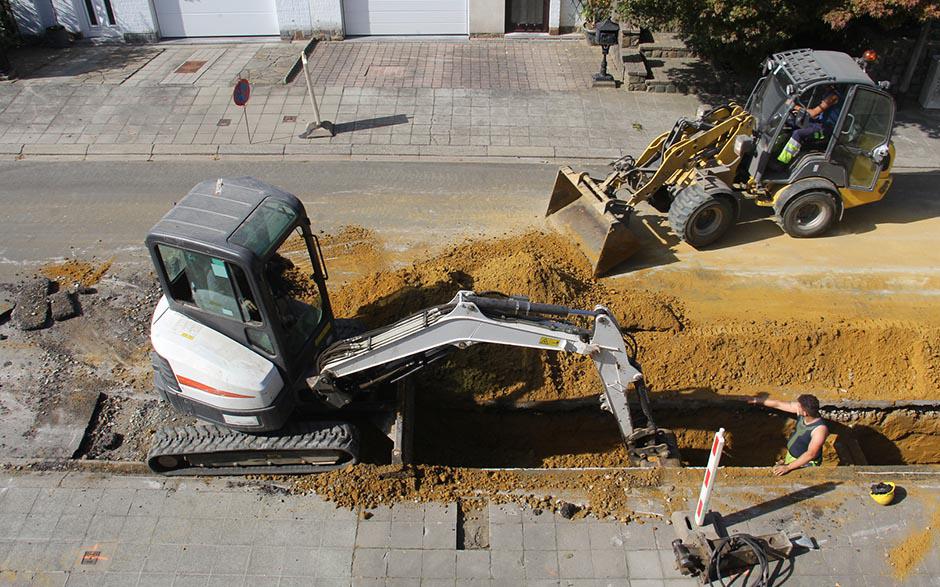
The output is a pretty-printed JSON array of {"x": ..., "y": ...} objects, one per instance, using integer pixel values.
[
  {"x": 540, "y": 564},
  {"x": 404, "y": 563},
  {"x": 440, "y": 564},
  {"x": 407, "y": 534},
  {"x": 506, "y": 537},
  {"x": 32, "y": 306},
  {"x": 440, "y": 536},
  {"x": 370, "y": 562},
  {"x": 538, "y": 537},
  {"x": 507, "y": 564},
  {"x": 335, "y": 563},
  {"x": 609, "y": 564},
  {"x": 644, "y": 564},
  {"x": 575, "y": 564},
  {"x": 473, "y": 564}
]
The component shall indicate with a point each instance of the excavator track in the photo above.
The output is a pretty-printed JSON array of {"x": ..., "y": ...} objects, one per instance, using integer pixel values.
[{"x": 206, "y": 449}]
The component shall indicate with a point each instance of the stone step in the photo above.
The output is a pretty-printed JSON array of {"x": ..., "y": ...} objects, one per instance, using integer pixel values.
[
  {"x": 678, "y": 75},
  {"x": 665, "y": 45}
]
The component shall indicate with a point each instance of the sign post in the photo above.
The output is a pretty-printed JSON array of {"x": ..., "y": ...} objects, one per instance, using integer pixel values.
[
  {"x": 319, "y": 128},
  {"x": 240, "y": 96},
  {"x": 710, "y": 472}
]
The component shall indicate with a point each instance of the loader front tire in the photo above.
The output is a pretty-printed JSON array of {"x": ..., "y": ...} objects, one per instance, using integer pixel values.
[
  {"x": 700, "y": 218},
  {"x": 808, "y": 215}
]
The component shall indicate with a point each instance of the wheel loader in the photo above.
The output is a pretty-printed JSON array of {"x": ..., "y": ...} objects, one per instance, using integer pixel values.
[
  {"x": 702, "y": 171},
  {"x": 244, "y": 339}
]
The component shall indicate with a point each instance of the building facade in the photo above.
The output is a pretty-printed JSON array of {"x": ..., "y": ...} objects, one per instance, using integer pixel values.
[{"x": 151, "y": 20}]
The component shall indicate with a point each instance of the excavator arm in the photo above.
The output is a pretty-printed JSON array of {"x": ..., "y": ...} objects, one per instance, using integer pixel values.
[{"x": 398, "y": 350}]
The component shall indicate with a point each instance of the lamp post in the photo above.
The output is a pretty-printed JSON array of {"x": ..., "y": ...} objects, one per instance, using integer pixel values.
[{"x": 606, "y": 34}]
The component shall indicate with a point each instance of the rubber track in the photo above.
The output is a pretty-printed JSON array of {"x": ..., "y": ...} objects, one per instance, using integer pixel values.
[{"x": 208, "y": 438}]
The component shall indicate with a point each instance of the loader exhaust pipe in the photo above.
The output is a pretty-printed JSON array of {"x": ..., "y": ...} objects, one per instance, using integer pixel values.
[{"x": 595, "y": 221}]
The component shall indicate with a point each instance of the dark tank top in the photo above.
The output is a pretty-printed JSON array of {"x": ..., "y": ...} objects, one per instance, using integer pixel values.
[{"x": 800, "y": 439}]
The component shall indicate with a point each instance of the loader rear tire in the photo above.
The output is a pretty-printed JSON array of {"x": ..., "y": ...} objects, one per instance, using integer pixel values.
[
  {"x": 809, "y": 215},
  {"x": 700, "y": 218}
]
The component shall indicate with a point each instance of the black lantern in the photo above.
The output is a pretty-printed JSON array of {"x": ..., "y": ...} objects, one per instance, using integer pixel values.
[{"x": 606, "y": 34}]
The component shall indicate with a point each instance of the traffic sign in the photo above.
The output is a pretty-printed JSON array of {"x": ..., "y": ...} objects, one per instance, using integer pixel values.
[{"x": 242, "y": 92}]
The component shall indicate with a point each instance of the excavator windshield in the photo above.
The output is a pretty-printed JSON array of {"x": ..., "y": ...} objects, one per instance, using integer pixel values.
[{"x": 291, "y": 276}]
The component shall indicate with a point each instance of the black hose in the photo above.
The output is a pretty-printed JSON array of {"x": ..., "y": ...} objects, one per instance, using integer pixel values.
[{"x": 733, "y": 543}]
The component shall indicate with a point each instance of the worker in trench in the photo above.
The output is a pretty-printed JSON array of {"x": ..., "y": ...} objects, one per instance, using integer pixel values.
[{"x": 804, "y": 449}]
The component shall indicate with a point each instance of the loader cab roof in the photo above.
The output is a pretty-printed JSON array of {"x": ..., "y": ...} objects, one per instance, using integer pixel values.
[
  {"x": 241, "y": 216},
  {"x": 807, "y": 68}
]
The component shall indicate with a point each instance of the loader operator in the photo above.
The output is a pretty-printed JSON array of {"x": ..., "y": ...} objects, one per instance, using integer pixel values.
[
  {"x": 815, "y": 123},
  {"x": 804, "y": 449}
]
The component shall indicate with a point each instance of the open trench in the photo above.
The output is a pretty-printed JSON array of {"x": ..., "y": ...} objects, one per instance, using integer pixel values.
[{"x": 579, "y": 435}]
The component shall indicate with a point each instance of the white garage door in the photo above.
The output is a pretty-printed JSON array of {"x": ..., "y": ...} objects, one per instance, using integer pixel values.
[
  {"x": 216, "y": 18},
  {"x": 405, "y": 17}
]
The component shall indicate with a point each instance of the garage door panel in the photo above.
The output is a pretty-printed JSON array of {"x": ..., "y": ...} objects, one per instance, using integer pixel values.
[
  {"x": 213, "y": 18},
  {"x": 407, "y": 17}
]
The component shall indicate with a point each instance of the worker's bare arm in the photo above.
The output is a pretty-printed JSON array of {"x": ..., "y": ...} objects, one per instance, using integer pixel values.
[
  {"x": 791, "y": 407},
  {"x": 815, "y": 447}
]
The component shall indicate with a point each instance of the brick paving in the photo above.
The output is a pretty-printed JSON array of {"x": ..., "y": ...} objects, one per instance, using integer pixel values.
[
  {"x": 98, "y": 529},
  {"x": 486, "y": 98},
  {"x": 474, "y": 64}
]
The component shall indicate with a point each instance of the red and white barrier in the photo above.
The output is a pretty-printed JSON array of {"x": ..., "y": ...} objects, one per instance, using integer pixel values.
[{"x": 711, "y": 471}]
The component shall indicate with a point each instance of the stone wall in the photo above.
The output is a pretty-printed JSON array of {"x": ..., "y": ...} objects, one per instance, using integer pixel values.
[{"x": 894, "y": 56}]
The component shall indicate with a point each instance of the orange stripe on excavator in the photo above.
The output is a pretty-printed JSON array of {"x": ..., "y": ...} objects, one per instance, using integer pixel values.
[{"x": 203, "y": 387}]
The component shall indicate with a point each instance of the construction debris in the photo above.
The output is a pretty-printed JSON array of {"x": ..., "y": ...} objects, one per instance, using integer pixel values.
[
  {"x": 32, "y": 306},
  {"x": 64, "y": 305}
]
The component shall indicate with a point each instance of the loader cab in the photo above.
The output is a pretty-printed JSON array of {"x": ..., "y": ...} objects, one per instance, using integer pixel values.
[
  {"x": 237, "y": 255},
  {"x": 853, "y": 149}
]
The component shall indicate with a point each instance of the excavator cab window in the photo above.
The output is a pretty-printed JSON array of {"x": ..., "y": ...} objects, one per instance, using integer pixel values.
[
  {"x": 210, "y": 284},
  {"x": 297, "y": 298}
]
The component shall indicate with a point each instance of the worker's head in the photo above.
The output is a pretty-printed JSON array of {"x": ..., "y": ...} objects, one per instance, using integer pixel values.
[{"x": 809, "y": 405}]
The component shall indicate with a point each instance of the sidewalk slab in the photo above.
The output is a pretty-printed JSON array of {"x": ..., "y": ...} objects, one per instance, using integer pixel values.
[
  {"x": 503, "y": 151},
  {"x": 251, "y": 149},
  {"x": 55, "y": 149},
  {"x": 120, "y": 149},
  {"x": 385, "y": 149},
  {"x": 10, "y": 149},
  {"x": 171, "y": 149}
]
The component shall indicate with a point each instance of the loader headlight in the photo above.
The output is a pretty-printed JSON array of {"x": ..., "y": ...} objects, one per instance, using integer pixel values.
[{"x": 743, "y": 145}]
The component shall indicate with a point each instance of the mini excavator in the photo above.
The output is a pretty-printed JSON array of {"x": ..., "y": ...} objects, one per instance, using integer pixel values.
[{"x": 244, "y": 339}]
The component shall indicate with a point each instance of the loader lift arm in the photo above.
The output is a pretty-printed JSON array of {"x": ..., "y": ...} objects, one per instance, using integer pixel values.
[{"x": 393, "y": 352}]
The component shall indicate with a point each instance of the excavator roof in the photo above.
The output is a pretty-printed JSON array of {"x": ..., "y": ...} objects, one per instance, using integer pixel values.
[
  {"x": 807, "y": 67},
  {"x": 213, "y": 212}
]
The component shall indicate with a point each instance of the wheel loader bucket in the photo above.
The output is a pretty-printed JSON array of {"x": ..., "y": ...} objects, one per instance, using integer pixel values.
[{"x": 577, "y": 209}]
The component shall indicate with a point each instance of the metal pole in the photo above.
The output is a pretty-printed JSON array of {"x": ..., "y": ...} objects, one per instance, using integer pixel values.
[
  {"x": 313, "y": 98},
  {"x": 247, "y": 126}
]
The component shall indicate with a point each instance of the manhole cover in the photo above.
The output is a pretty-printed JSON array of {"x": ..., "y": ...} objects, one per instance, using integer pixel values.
[
  {"x": 224, "y": 122},
  {"x": 191, "y": 66},
  {"x": 91, "y": 557}
]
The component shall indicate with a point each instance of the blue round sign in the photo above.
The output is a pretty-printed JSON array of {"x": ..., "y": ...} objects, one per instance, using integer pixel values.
[{"x": 242, "y": 92}]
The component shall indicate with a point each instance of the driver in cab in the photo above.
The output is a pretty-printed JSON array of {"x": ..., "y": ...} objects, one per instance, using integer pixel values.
[{"x": 814, "y": 123}]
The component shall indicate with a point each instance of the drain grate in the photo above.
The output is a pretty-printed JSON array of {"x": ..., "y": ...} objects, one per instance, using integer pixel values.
[
  {"x": 191, "y": 66},
  {"x": 91, "y": 557},
  {"x": 224, "y": 122}
]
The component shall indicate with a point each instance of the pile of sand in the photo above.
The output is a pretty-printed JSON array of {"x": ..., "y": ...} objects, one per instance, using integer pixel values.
[{"x": 75, "y": 273}]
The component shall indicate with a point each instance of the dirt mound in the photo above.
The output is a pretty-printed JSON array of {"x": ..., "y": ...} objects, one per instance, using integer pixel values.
[
  {"x": 543, "y": 267},
  {"x": 76, "y": 273},
  {"x": 907, "y": 555}
]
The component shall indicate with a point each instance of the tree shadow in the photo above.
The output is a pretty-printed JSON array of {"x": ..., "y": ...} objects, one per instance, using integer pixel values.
[
  {"x": 116, "y": 61},
  {"x": 910, "y": 114}
]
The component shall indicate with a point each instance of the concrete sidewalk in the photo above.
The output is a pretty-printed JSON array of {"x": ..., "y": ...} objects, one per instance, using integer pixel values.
[
  {"x": 102, "y": 529},
  {"x": 470, "y": 99}
]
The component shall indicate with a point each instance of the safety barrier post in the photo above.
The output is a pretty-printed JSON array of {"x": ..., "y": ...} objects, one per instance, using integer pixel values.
[{"x": 711, "y": 471}]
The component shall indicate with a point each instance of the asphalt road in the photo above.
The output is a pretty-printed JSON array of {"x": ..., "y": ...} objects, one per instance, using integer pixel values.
[{"x": 51, "y": 210}]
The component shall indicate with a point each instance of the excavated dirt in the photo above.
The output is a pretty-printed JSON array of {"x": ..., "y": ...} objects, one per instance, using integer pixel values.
[
  {"x": 835, "y": 359},
  {"x": 367, "y": 486},
  {"x": 75, "y": 273},
  {"x": 906, "y": 556}
]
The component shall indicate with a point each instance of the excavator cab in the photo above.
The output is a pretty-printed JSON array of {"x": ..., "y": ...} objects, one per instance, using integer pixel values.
[{"x": 236, "y": 257}]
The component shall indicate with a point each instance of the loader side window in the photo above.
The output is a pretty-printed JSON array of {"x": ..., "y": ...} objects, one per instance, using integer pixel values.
[{"x": 207, "y": 283}]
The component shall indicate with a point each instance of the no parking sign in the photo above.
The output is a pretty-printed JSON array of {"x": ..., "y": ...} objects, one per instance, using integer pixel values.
[{"x": 240, "y": 96}]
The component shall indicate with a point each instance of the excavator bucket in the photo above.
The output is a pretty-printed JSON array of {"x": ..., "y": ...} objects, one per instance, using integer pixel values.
[{"x": 578, "y": 208}]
